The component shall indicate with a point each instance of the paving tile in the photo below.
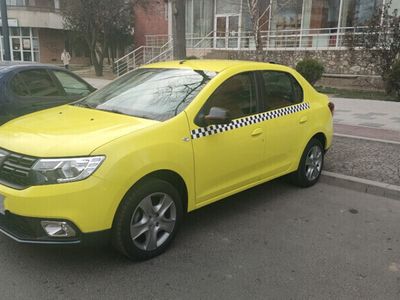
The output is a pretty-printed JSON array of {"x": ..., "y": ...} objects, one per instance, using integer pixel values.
[
  {"x": 338, "y": 120},
  {"x": 364, "y": 116},
  {"x": 396, "y": 119},
  {"x": 376, "y": 125},
  {"x": 377, "y": 114}
]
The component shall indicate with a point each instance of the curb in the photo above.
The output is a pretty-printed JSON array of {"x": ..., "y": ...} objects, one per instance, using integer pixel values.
[
  {"x": 366, "y": 138},
  {"x": 362, "y": 185}
]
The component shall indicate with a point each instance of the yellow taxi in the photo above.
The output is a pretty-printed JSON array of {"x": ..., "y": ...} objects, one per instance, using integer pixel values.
[{"x": 128, "y": 161}]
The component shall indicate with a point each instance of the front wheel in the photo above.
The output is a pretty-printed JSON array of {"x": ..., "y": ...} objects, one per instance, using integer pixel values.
[
  {"x": 310, "y": 166},
  {"x": 147, "y": 219}
]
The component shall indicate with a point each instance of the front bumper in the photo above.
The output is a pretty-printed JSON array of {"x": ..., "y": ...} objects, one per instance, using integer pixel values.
[
  {"x": 89, "y": 204},
  {"x": 29, "y": 231}
]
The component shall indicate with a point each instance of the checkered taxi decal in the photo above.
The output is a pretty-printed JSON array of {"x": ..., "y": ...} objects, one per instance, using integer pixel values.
[{"x": 214, "y": 129}]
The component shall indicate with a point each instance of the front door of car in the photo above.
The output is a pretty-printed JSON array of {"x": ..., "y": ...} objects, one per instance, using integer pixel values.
[
  {"x": 287, "y": 121},
  {"x": 227, "y": 153},
  {"x": 33, "y": 90}
]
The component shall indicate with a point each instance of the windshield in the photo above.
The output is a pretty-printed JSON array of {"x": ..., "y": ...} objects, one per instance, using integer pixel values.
[{"x": 156, "y": 94}]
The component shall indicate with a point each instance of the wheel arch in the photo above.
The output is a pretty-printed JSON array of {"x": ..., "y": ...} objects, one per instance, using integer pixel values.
[
  {"x": 167, "y": 175},
  {"x": 321, "y": 137}
]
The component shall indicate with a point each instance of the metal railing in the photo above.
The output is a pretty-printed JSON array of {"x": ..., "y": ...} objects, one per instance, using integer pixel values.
[
  {"x": 305, "y": 39},
  {"x": 159, "y": 47},
  {"x": 140, "y": 56}
]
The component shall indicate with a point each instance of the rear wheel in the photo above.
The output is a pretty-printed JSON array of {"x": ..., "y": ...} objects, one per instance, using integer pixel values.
[
  {"x": 147, "y": 219},
  {"x": 310, "y": 166}
]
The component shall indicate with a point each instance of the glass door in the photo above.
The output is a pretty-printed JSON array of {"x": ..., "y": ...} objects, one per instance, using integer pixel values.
[{"x": 227, "y": 31}]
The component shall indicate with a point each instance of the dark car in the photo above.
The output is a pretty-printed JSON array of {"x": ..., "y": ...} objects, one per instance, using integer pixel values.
[{"x": 26, "y": 88}]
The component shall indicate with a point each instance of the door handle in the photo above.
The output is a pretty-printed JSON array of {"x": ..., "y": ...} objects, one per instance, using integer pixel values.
[
  {"x": 257, "y": 132},
  {"x": 303, "y": 120}
]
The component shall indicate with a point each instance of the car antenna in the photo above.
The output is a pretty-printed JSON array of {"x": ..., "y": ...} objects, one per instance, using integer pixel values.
[{"x": 181, "y": 62}]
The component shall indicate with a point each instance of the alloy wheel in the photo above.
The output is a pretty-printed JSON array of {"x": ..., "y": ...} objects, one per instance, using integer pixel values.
[
  {"x": 313, "y": 163},
  {"x": 153, "y": 221}
]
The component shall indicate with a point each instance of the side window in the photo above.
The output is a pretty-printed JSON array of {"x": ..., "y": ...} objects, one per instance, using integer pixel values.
[
  {"x": 39, "y": 83},
  {"x": 237, "y": 95},
  {"x": 71, "y": 85},
  {"x": 280, "y": 90},
  {"x": 18, "y": 86}
]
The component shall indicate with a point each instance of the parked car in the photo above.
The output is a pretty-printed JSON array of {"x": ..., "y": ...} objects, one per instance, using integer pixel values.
[
  {"x": 29, "y": 87},
  {"x": 132, "y": 158}
]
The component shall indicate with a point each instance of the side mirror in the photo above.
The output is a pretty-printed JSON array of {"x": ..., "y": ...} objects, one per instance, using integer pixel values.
[{"x": 217, "y": 115}]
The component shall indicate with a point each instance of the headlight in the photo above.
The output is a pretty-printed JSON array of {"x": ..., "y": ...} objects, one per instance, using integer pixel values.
[{"x": 48, "y": 171}]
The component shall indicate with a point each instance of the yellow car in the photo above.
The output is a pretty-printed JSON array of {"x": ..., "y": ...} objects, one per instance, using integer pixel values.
[{"x": 131, "y": 159}]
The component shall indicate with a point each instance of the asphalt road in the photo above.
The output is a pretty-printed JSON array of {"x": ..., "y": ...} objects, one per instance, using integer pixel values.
[{"x": 271, "y": 242}]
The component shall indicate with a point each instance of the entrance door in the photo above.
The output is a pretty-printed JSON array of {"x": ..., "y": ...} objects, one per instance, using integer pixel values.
[{"x": 227, "y": 31}]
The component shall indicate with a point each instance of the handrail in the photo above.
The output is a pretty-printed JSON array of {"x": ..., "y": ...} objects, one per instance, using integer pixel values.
[{"x": 203, "y": 39}]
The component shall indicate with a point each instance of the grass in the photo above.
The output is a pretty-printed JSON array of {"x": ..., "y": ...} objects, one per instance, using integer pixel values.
[{"x": 356, "y": 94}]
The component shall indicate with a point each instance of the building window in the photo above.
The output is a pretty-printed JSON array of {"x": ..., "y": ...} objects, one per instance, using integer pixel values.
[
  {"x": 200, "y": 17},
  {"x": 24, "y": 44}
]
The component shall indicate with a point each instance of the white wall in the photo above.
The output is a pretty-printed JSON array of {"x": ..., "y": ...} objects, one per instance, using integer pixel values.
[{"x": 36, "y": 19}]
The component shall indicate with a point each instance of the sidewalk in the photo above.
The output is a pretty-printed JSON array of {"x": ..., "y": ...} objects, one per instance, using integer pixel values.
[
  {"x": 367, "y": 118},
  {"x": 98, "y": 83}
]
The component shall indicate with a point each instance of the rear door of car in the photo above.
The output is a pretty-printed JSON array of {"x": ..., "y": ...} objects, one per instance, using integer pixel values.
[{"x": 286, "y": 123}]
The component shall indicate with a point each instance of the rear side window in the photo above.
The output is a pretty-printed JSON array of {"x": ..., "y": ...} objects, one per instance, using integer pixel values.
[
  {"x": 280, "y": 89},
  {"x": 71, "y": 85},
  {"x": 39, "y": 83},
  {"x": 237, "y": 95},
  {"x": 18, "y": 86}
]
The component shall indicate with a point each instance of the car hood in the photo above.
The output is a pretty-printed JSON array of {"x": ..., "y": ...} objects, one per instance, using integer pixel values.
[{"x": 66, "y": 131}]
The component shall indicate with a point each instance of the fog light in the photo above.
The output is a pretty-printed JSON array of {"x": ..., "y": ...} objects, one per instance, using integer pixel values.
[{"x": 58, "y": 229}]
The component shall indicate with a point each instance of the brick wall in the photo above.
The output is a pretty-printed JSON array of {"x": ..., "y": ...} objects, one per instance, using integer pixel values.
[
  {"x": 335, "y": 61},
  {"x": 347, "y": 68},
  {"x": 52, "y": 43},
  {"x": 150, "y": 19}
]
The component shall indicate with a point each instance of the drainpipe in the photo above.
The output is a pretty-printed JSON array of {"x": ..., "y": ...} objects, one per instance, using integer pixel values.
[{"x": 6, "y": 32}]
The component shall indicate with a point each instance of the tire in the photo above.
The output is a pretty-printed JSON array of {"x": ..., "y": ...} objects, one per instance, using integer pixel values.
[
  {"x": 147, "y": 219},
  {"x": 311, "y": 164}
]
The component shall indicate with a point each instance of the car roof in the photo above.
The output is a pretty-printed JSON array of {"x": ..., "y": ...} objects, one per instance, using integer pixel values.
[
  {"x": 10, "y": 66},
  {"x": 214, "y": 65}
]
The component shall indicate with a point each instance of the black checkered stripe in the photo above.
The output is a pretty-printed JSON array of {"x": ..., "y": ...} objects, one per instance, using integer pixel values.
[{"x": 246, "y": 121}]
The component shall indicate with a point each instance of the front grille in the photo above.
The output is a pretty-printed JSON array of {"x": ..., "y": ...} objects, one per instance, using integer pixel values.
[{"x": 15, "y": 170}]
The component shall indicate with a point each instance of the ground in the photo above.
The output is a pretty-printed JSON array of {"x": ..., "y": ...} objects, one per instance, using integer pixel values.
[
  {"x": 365, "y": 159},
  {"x": 274, "y": 241}
]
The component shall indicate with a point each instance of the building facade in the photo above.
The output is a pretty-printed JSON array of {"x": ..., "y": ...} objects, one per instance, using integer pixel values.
[
  {"x": 226, "y": 24},
  {"x": 37, "y": 33},
  {"x": 36, "y": 30}
]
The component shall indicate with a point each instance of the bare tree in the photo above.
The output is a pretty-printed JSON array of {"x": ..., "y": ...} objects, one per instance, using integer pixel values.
[
  {"x": 381, "y": 40},
  {"x": 98, "y": 22},
  {"x": 179, "y": 28},
  {"x": 259, "y": 15}
]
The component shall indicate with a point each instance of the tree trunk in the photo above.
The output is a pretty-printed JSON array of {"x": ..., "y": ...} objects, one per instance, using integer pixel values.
[
  {"x": 179, "y": 28},
  {"x": 98, "y": 67}
]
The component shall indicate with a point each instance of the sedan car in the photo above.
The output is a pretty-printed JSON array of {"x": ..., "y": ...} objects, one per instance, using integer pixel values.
[
  {"x": 25, "y": 88},
  {"x": 129, "y": 160}
]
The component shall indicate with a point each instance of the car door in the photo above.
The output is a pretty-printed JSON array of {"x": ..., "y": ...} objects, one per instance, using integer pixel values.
[
  {"x": 286, "y": 120},
  {"x": 228, "y": 156},
  {"x": 74, "y": 87},
  {"x": 32, "y": 90}
]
